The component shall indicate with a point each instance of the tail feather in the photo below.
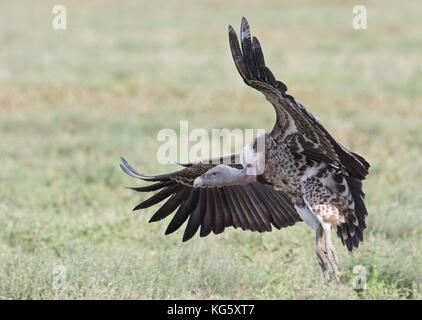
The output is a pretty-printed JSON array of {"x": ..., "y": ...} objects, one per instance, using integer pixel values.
[{"x": 350, "y": 234}]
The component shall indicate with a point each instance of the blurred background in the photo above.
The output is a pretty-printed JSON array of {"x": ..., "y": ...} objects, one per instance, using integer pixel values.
[{"x": 72, "y": 101}]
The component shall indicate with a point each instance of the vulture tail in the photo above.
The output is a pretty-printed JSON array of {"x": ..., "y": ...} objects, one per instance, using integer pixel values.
[{"x": 351, "y": 231}]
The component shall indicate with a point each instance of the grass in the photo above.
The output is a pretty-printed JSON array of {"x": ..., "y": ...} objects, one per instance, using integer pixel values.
[{"x": 72, "y": 102}]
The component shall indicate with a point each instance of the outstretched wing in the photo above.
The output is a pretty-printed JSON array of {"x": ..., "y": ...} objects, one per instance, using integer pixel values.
[
  {"x": 252, "y": 207},
  {"x": 292, "y": 117}
]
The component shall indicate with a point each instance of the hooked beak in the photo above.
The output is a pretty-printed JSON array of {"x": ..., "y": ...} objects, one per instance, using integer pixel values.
[{"x": 199, "y": 181}]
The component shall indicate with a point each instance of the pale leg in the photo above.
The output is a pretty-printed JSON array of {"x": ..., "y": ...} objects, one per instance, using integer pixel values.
[
  {"x": 321, "y": 254},
  {"x": 331, "y": 251}
]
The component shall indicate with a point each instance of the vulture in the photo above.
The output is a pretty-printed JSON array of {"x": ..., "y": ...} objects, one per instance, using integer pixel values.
[{"x": 296, "y": 172}]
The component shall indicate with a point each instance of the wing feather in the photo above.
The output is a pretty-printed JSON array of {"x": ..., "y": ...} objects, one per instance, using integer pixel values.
[
  {"x": 292, "y": 117},
  {"x": 183, "y": 212},
  {"x": 172, "y": 204},
  {"x": 208, "y": 221},
  {"x": 196, "y": 217},
  {"x": 254, "y": 206},
  {"x": 219, "y": 214}
]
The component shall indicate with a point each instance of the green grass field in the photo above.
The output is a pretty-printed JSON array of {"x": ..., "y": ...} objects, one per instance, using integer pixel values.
[{"x": 73, "y": 101}]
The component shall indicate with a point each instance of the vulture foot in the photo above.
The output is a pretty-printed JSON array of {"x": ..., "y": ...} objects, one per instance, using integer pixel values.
[
  {"x": 331, "y": 251},
  {"x": 321, "y": 254},
  {"x": 332, "y": 257},
  {"x": 326, "y": 254}
]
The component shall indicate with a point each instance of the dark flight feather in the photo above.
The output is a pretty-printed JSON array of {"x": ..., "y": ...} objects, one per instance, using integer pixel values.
[
  {"x": 183, "y": 212},
  {"x": 252, "y": 207}
]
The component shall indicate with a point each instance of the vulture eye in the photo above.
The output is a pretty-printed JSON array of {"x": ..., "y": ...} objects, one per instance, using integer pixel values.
[{"x": 213, "y": 174}]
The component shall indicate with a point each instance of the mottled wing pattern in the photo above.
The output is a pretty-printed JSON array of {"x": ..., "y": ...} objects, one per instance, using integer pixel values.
[
  {"x": 254, "y": 206},
  {"x": 292, "y": 117}
]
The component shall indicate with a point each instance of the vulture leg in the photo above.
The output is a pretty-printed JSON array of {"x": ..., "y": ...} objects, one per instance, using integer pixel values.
[
  {"x": 331, "y": 251},
  {"x": 321, "y": 254}
]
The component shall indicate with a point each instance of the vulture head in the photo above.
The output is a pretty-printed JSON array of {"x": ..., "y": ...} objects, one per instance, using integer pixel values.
[{"x": 223, "y": 175}]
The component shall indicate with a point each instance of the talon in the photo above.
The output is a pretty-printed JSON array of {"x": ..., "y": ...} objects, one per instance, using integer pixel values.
[
  {"x": 326, "y": 277},
  {"x": 337, "y": 276}
]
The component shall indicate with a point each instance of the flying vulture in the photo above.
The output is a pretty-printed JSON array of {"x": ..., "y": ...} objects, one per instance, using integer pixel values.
[{"x": 306, "y": 174}]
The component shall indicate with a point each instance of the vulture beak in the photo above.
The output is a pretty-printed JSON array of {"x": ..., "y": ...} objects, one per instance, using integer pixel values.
[{"x": 198, "y": 182}]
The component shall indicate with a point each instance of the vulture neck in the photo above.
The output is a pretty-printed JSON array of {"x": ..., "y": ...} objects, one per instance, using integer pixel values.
[{"x": 242, "y": 176}]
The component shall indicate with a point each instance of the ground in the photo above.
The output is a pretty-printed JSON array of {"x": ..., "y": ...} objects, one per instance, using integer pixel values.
[{"x": 73, "y": 101}]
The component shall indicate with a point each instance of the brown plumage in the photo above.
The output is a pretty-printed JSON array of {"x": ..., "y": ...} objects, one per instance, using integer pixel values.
[{"x": 308, "y": 175}]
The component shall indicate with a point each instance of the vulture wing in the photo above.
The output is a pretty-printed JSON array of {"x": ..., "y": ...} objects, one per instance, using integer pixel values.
[
  {"x": 252, "y": 207},
  {"x": 292, "y": 117}
]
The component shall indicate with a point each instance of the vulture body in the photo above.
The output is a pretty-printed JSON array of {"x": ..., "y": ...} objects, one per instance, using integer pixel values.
[{"x": 306, "y": 175}]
